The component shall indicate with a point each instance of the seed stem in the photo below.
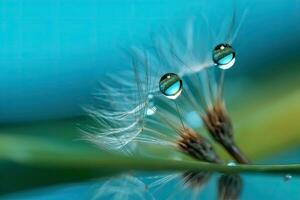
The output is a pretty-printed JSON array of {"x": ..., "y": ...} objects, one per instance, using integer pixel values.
[
  {"x": 236, "y": 153},
  {"x": 221, "y": 85},
  {"x": 179, "y": 114}
]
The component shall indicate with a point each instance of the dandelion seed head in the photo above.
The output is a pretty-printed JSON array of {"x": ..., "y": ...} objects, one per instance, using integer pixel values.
[
  {"x": 196, "y": 146},
  {"x": 219, "y": 124},
  {"x": 130, "y": 109}
]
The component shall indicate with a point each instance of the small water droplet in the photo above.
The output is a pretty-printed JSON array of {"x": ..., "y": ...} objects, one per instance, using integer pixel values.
[
  {"x": 151, "y": 108},
  {"x": 287, "y": 177},
  {"x": 224, "y": 56},
  {"x": 231, "y": 163},
  {"x": 170, "y": 85}
]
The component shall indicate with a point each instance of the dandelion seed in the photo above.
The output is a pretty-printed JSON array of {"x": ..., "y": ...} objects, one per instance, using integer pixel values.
[
  {"x": 197, "y": 146},
  {"x": 219, "y": 126},
  {"x": 137, "y": 114}
]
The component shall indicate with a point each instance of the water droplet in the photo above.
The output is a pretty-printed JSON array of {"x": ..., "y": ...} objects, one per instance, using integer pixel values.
[
  {"x": 170, "y": 85},
  {"x": 287, "y": 177},
  {"x": 224, "y": 56},
  {"x": 231, "y": 163},
  {"x": 151, "y": 108},
  {"x": 151, "y": 111}
]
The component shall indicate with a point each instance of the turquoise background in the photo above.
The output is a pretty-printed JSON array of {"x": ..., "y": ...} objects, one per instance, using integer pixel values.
[{"x": 52, "y": 52}]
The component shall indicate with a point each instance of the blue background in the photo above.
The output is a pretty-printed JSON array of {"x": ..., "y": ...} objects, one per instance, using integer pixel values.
[{"x": 52, "y": 52}]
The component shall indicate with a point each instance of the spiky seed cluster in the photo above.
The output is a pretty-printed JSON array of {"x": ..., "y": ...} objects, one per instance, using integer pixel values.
[
  {"x": 196, "y": 146},
  {"x": 200, "y": 148},
  {"x": 129, "y": 122},
  {"x": 219, "y": 126}
]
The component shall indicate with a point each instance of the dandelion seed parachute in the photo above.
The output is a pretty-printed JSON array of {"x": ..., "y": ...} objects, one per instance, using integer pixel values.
[{"x": 137, "y": 112}]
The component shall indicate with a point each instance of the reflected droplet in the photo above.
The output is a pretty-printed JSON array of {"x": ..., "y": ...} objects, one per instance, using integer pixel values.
[
  {"x": 231, "y": 163},
  {"x": 170, "y": 85},
  {"x": 287, "y": 177},
  {"x": 224, "y": 56}
]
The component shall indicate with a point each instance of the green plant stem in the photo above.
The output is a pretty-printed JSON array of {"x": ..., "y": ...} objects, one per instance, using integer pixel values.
[{"x": 119, "y": 163}]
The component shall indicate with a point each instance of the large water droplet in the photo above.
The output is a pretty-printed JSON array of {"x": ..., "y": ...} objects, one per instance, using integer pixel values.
[
  {"x": 287, "y": 177},
  {"x": 224, "y": 56},
  {"x": 170, "y": 85}
]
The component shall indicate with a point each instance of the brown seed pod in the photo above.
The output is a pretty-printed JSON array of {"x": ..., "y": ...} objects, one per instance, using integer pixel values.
[
  {"x": 219, "y": 125},
  {"x": 196, "y": 146}
]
